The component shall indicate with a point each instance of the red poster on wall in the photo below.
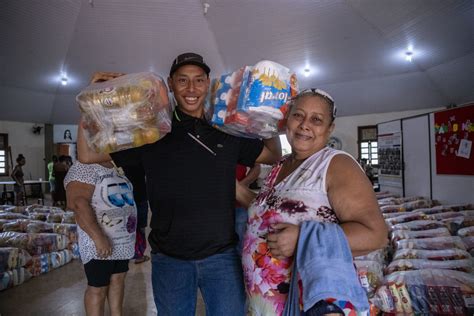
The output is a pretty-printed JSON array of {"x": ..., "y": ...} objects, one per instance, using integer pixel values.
[{"x": 454, "y": 135}]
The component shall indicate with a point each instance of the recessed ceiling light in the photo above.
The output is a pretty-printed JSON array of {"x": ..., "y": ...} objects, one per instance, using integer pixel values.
[
  {"x": 409, "y": 56},
  {"x": 306, "y": 72},
  {"x": 64, "y": 81}
]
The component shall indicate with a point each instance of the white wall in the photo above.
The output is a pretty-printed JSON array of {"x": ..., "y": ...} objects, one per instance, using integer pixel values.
[
  {"x": 346, "y": 127},
  {"x": 22, "y": 141}
]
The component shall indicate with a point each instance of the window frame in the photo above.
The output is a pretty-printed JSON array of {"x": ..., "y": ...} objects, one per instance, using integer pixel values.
[
  {"x": 4, "y": 147},
  {"x": 367, "y": 138}
]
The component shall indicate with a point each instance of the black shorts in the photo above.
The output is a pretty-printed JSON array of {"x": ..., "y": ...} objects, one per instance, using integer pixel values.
[{"x": 98, "y": 272}]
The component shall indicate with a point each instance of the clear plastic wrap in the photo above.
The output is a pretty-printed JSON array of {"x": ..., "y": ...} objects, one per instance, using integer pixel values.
[
  {"x": 39, "y": 264},
  {"x": 59, "y": 258},
  {"x": 370, "y": 274},
  {"x": 13, "y": 278},
  {"x": 466, "y": 231},
  {"x": 435, "y": 255},
  {"x": 456, "y": 207},
  {"x": 12, "y": 258},
  {"x": 408, "y": 217},
  {"x": 7, "y": 208},
  {"x": 21, "y": 225},
  {"x": 379, "y": 256},
  {"x": 464, "y": 265},
  {"x": 458, "y": 222},
  {"x": 11, "y": 215},
  {"x": 402, "y": 200},
  {"x": 35, "y": 244},
  {"x": 397, "y": 235},
  {"x": 69, "y": 218},
  {"x": 39, "y": 227},
  {"x": 468, "y": 242},
  {"x": 427, "y": 292},
  {"x": 69, "y": 230},
  {"x": 436, "y": 243},
  {"x": 55, "y": 217},
  {"x": 418, "y": 225},
  {"x": 252, "y": 101},
  {"x": 445, "y": 215},
  {"x": 125, "y": 112}
]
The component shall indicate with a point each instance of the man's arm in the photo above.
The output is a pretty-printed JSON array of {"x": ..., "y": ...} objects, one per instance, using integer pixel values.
[
  {"x": 79, "y": 196},
  {"x": 251, "y": 176},
  {"x": 271, "y": 152}
]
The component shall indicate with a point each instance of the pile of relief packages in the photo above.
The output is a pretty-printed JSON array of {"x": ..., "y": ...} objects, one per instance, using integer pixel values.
[{"x": 34, "y": 240}]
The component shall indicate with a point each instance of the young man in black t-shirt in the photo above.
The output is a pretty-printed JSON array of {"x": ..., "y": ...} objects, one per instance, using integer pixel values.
[{"x": 190, "y": 180}]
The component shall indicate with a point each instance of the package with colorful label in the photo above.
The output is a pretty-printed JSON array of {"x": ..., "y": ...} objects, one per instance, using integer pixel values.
[{"x": 252, "y": 101}]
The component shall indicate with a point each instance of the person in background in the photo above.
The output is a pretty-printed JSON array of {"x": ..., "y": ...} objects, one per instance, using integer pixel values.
[
  {"x": 60, "y": 170},
  {"x": 102, "y": 201},
  {"x": 51, "y": 179},
  {"x": 313, "y": 183},
  {"x": 18, "y": 177},
  {"x": 190, "y": 181},
  {"x": 246, "y": 178}
]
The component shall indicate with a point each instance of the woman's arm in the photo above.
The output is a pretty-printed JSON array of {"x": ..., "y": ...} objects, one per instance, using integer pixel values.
[
  {"x": 243, "y": 194},
  {"x": 251, "y": 176},
  {"x": 79, "y": 196},
  {"x": 353, "y": 200}
]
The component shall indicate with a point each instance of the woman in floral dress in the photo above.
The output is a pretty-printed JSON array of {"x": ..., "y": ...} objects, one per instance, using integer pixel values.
[{"x": 314, "y": 183}]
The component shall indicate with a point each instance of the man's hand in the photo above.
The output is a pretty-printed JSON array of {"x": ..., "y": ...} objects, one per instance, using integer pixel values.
[
  {"x": 103, "y": 246},
  {"x": 282, "y": 243}
]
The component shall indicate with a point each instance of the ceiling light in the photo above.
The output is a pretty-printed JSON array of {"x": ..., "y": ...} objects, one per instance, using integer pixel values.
[
  {"x": 306, "y": 72},
  {"x": 64, "y": 81},
  {"x": 409, "y": 56}
]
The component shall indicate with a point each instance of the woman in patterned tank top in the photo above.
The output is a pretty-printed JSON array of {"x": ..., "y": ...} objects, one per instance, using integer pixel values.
[{"x": 313, "y": 183}]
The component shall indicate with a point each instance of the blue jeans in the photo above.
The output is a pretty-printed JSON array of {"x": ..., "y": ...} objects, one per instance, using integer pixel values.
[
  {"x": 241, "y": 217},
  {"x": 219, "y": 277}
]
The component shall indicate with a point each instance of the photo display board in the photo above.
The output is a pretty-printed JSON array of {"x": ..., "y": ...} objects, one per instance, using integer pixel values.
[{"x": 390, "y": 157}]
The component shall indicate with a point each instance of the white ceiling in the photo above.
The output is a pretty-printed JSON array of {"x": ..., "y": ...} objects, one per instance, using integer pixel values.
[{"x": 354, "y": 47}]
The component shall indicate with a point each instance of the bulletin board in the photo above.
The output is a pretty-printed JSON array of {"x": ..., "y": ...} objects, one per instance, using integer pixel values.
[
  {"x": 454, "y": 135},
  {"x": 390, "y": 157}
]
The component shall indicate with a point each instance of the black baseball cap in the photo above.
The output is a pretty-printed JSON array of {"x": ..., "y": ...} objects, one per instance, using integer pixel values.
[{"x": 189, "y": 59}]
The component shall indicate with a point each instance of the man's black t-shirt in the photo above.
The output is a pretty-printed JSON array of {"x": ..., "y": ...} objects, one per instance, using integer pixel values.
[{"x": 191, "y": 191}]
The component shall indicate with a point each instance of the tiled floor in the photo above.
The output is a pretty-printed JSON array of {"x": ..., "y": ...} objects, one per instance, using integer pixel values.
[{"x": 60, "y": 293}]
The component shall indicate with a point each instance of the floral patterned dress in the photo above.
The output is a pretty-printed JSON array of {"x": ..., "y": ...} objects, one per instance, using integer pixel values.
[{"x": 301, "y": 196}]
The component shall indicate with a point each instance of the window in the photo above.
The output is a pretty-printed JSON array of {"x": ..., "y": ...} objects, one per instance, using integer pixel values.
[
  {"x": 3, "y": 155},
  {"x": 368, "y": 144}
]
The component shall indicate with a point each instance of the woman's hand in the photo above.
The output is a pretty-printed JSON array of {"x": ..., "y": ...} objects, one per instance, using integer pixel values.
[
  {"x": 282, "y": 242},
  {"x": 103, "y": 246}
]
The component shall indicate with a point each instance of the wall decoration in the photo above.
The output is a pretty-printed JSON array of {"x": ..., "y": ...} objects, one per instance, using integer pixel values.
[
  {"x": 64, "y": 133},
  {"x": 454, "y": 134}
]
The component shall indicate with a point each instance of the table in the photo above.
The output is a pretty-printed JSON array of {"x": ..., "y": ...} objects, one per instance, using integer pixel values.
[{"x": 5, "y": 192}]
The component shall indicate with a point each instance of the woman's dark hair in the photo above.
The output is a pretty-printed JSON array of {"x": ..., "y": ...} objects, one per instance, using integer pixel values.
[
  {"x": 67, "y": 134},
  {"x": 20, "y": 158}
]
